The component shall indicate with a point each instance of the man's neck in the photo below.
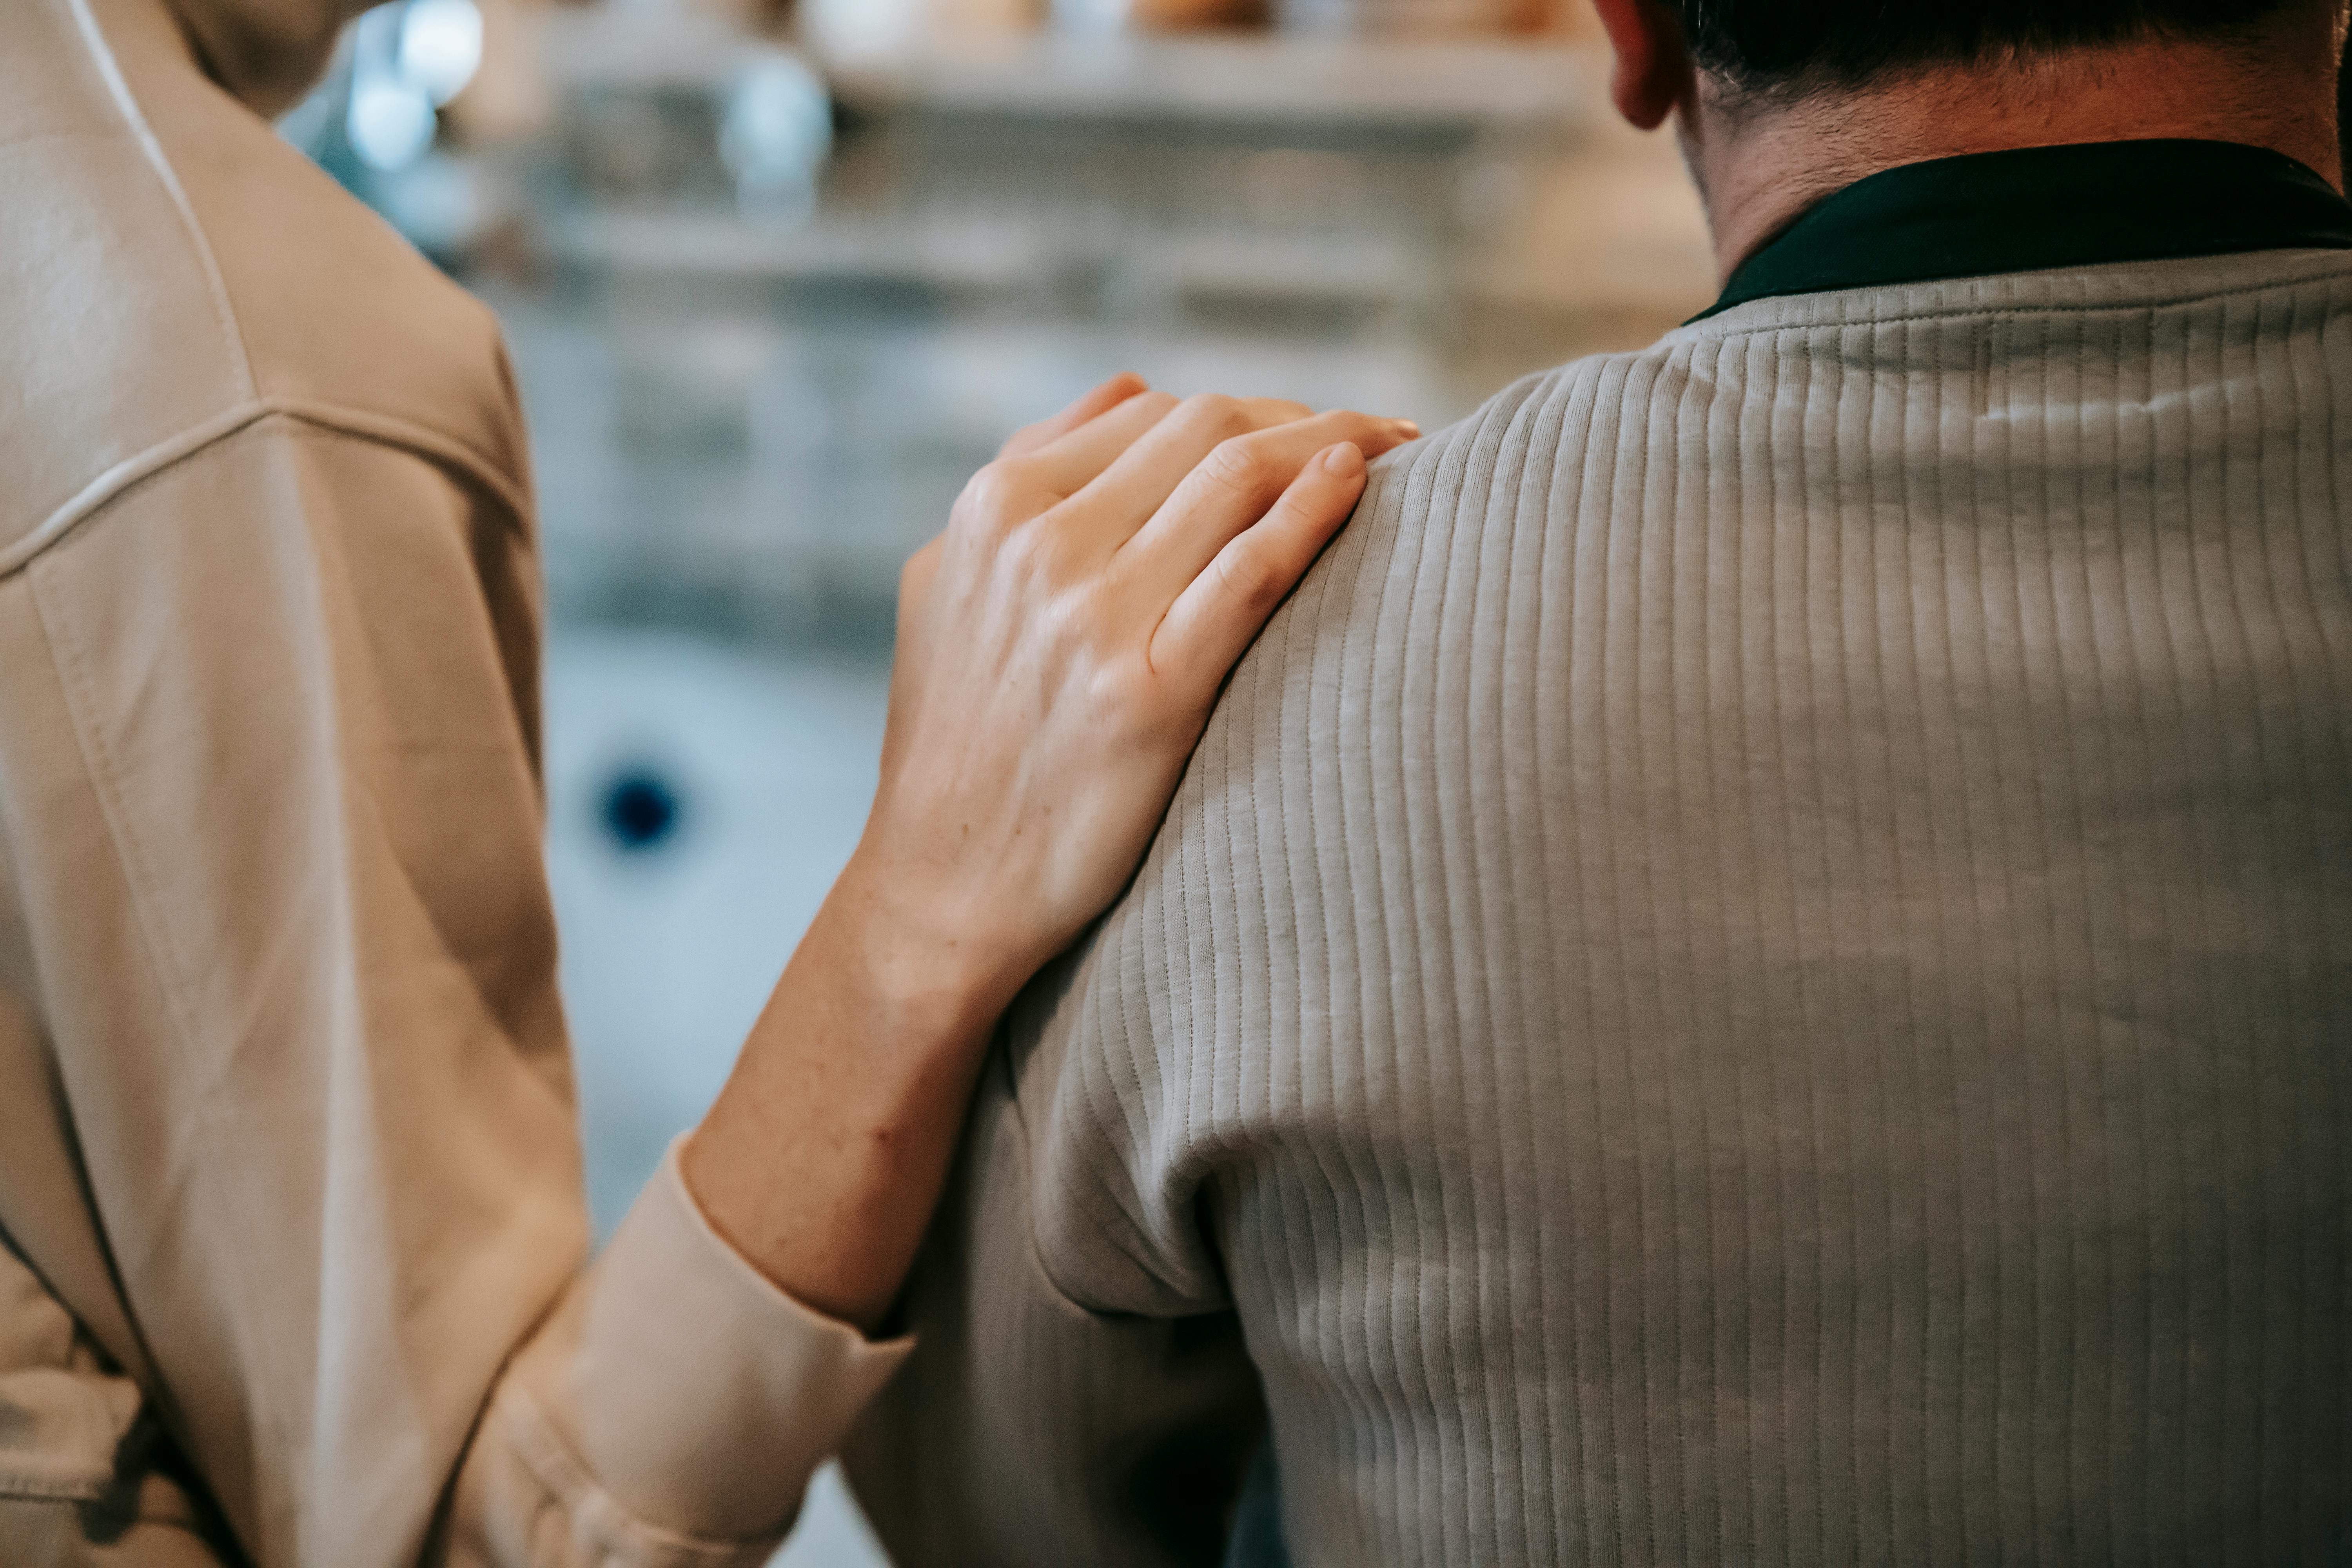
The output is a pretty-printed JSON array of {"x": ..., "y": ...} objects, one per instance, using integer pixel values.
[{"x": 1760, "y": 165}]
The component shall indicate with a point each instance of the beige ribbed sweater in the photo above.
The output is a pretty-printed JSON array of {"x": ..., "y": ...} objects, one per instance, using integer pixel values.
[{"x": 1758, "y": 970}]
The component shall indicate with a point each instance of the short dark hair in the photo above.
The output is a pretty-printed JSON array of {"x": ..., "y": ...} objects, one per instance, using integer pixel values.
[{"x": 1768, "y": 44}]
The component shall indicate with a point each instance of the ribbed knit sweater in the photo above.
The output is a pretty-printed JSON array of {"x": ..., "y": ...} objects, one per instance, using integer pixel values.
[{"x": 1758, "y": 970}]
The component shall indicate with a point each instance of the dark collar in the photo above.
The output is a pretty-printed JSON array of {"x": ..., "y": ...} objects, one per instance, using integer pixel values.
[{"x": 2044, "y": 207}]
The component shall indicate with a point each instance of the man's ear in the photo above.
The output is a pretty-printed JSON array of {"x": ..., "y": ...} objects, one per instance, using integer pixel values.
[{"x": 1653, "y": 74}]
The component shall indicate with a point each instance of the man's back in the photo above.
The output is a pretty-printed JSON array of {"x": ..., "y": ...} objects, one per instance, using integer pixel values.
[{"x": 1759, "y": 969}]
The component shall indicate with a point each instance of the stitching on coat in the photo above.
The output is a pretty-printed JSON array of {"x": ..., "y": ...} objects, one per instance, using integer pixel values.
[
  {"x": 381, "y": 428},
  {"x": 223, "y": 313}
]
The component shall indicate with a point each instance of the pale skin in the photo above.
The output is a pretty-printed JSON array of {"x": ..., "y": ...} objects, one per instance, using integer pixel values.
[
  {"x": 1760, "y": 162},
  {"x": 1060, "y": 649}
]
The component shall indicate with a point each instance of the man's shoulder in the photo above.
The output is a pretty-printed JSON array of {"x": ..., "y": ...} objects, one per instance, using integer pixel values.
[
  {"x": 187, "y": 273},
  {"x": 1462, "y": 531},
  {"x": 1455, "y": 530}
]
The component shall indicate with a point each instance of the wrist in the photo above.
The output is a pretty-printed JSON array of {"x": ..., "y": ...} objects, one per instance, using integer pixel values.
[
  {"x": 921, "y": 950},
  {"x": 822, "y": 1156}
]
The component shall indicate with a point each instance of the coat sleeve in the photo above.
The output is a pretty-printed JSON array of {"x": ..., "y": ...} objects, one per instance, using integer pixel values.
[{"x": 268, "y": 776}]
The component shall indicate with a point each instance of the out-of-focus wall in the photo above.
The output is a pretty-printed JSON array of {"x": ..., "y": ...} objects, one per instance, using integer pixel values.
[{"x": 774, "y": 294}]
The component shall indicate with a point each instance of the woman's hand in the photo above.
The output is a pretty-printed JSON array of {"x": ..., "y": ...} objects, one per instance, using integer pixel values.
[
  {"x": 1060, "y": 649},
  {"x": 1061, "y": 646}
]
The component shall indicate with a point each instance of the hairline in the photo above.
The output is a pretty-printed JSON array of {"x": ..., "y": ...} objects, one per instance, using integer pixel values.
[{"x": 1746, "y": 92}]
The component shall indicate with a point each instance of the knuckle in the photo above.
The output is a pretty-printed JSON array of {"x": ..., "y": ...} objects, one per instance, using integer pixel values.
[
  {"x": 1023, "y": 550},
  {"x": 1251, "y": 576},
  {"x": 1122, "y": 692},
  {"x": 1238, "y": 465},
  {"x": 997, "y": 495},
  {"x": 1217, "y": 412},
  {"x": 1048, "y": 554},
  {"x": 1068, "y": 627},
  {"x": 1278, "y": 410}
]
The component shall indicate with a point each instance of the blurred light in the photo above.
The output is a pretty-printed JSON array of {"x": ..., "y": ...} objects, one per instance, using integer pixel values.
[
  {"x": 391, "y": 122},
  {"x": 777, "y": 131},
  {"x": 440, "y": 45},
  {"x": 855, "y": 29}
]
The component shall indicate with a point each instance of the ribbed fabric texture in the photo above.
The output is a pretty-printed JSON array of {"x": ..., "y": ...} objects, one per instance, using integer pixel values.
[{"x": 1758, "y": 970}]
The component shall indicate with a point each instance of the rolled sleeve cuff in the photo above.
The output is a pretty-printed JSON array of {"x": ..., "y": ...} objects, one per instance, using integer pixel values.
[{"x": 689, "y": 1389}]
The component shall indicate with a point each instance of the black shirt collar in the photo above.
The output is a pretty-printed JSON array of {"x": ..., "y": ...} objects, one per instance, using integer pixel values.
[{"x": 2043, "y": 208}]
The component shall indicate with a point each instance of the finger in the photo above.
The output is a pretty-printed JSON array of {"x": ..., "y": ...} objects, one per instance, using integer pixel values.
[
  {"x": 1119, "y": 389},
  {"x": 1134, "y": 487},
  {"x": 1070, "y": 463},
  {"x": 1214, "y": 620},
  {"x": 1232, "y": 487},
  {"x": 1074, "y": 462}
]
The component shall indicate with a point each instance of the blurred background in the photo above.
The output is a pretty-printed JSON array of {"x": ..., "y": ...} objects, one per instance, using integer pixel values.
[{"x": 778, "y": 277}]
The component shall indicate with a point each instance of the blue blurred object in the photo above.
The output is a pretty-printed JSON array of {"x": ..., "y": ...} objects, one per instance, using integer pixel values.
[
  {"x": 407, "y": 60},
  {"x": 641, "y": 810},
  {"x": 774, "y": 136},
  {"x": 374, "y": 123}
]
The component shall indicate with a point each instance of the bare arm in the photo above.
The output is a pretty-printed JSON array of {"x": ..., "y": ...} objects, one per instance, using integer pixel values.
[{"x": 1060, "y": 649}]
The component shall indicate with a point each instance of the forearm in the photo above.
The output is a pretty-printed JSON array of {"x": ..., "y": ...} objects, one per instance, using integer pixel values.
[{"x": 822, "y": 1157}]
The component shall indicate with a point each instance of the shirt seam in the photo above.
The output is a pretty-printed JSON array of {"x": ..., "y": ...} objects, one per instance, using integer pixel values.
[
  {"x": 126, "y": 104},
  {"x": 99, "y": 767},
  {"x": 380, "y": 429},
  {"x": 167, "y": 963}
]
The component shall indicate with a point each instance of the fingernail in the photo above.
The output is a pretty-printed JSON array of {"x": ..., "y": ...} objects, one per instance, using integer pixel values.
[
  {"x": 1344, "y": 461},
  {"x": 1406, "y": 428}
]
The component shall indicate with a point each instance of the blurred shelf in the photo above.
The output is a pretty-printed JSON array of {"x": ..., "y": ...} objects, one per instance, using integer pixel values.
[
  {"x": 751, "y": 410},
  {"x": 1466, "y": 84},
  {"x": 690, "y": 242},
  {"x": 1422, "y": 83}
]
